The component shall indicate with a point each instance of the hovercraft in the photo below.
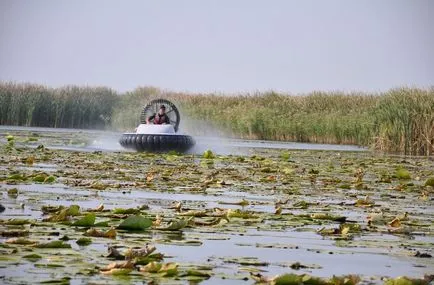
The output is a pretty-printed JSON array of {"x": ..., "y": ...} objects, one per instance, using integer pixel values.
[{"x": 157, "y": 132}]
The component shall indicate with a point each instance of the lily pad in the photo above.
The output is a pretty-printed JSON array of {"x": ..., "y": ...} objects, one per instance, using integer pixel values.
[
  {"x": 175, "y": 225},
  {"x": 32, "y": 257},
  {"x": 96, "y": 233},
  {"x": 403, "y": 173},
  {"x": 208, "y": 154},
  {"x": 86, "y": 221},
  {"x": 129, "y": 211},
  {"x": 54, "y": 244},
  {"x": 135, "y": 223},
  {"x": 84, "y": 241}
]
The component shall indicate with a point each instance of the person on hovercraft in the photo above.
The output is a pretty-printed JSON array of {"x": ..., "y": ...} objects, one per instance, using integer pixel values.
[{"x": 159, "y": 118}]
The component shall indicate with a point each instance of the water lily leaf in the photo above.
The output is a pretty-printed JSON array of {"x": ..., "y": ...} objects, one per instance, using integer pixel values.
[
  {"x": 96, "y": 233},
  {"x": 73, "y": 210},
  {"x": 345, "y": 280},
  {"x": 197, "y": 273},
  {"x": 194, "y": 213},
  {"x": 403, "y": 173},
  {"x": 288, "y": 279},
  {"x": 32, "y": 257},
  {"x": 141, "y": 252},
  {"x": 16, "y": 177},
  {"x": 175, "y": 225},
  {"x": 118, "y": 268},
  {"x": 84, "y": 241},
  {"x": 50, "y": 179},
  {"x": 102, "y": 224},
  {"x": 54, "y": 244},
  {"x": 135, "y": 223},
  {"x": 259, "y": 278},
  {"x": 63, "y": 281},
  {"x": 114, "y": 253},
  {"x": 60, "y": 217},
  {"x": 430, "y": 182},
  {"x": 367, "y": 202},
  {"x": 86, "y": 221},
  {"x": 208, "y": 154},
  {"x": 157, "y": 257},
  {"x": 117, "y": 271},
  {"x": 237, "y": 213},
  {"x": 169, "y": 269},
  {"x": 247, "y": 261},
  {"x": 40, "y": 178},
  {"x": 151, "y": 267},
  {"x": 326, "y": 216},
  {"x": 301, "y": 205},
  {"x": 129, "y": 211},
  {"x": 14, "y": 233},
  {"x": 243, "y": 202},
  {"x": 51, "y": 209},
  {"x": 64, "y": 214},
  {"x": 395, "y": 223},
  {"x": 18, "y": 222},
  {"x": 49, "y": 265},
  {"x": 13, "y": 192},
  {"x": 21, "y": 241}
]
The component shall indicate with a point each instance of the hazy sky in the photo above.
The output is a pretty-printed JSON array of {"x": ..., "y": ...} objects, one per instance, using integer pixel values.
[{"x": 224, "y": 46}]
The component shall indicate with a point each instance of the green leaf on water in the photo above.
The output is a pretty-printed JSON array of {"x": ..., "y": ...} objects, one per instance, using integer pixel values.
[
  {"x": 13, "y": 192},
  {"x": 86, "y": 221},
  {"x": 63, "y": 281},
  {"x": 151, "y": 267},
  {"x": 50, "y": 179},
  {"x": 403, "y": 173},
  {"x": 135, "y": 223},
  {"x": 119, "y": 271},
  {"x": 129, "y": 211},
  {"x": 175, "y": 225},
  {"x": 17, "y": 176},
  {"x": 169, "y": 269},
  {"x": 18, "y": 222},
  {"x": 403, "y": 280},
  {"x": 197, "y": 273},
  {"x": 208, "y": 154},
  {"x": 21, "y": 241},
  {"x": 430, "y": 182},
  {"x": 54, "y": 244},
  {"x": 73, "y": 210},
  {"x": 32, "y": 257},
  {"x": 102, "y": 224},
  {"x": 288, "y": 279},
  {"x": 40, "y": 178},
  {"x": 84, "y": 241}
]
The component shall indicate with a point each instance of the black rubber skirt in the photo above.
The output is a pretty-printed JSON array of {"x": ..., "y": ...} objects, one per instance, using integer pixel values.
[{"x": 157, "y": 142}]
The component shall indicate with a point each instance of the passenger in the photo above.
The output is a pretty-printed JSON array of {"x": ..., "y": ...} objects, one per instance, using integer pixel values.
[{"x": 159, "y": 118}]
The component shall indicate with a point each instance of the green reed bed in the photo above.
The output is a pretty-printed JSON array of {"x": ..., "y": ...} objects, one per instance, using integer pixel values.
[{"x": 399, "y": 121}]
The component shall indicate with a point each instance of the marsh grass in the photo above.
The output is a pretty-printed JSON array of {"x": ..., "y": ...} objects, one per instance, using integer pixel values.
[
  {"x": 66, "y": 107},
  {"x": 399, "y": 121}
]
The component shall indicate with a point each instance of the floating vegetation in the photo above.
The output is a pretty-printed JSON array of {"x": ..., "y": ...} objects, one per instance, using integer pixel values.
[{"x": 271, "y": 217}]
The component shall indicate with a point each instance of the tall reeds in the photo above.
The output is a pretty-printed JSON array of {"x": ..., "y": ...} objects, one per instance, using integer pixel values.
[
  {"x": 67, "y": 107},
  {"x": 404, "y": 121},
  {"x": 399, "y": 121}
]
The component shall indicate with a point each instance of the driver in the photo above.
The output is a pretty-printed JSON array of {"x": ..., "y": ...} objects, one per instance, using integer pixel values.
[{"x": 159, "y": 118}]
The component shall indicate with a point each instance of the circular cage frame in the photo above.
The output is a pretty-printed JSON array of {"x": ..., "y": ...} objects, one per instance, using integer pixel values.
[{"x": 153, "y": 107}]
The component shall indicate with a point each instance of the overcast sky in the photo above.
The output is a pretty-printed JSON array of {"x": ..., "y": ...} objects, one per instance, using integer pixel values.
[{"x": 224, "y": 46}]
